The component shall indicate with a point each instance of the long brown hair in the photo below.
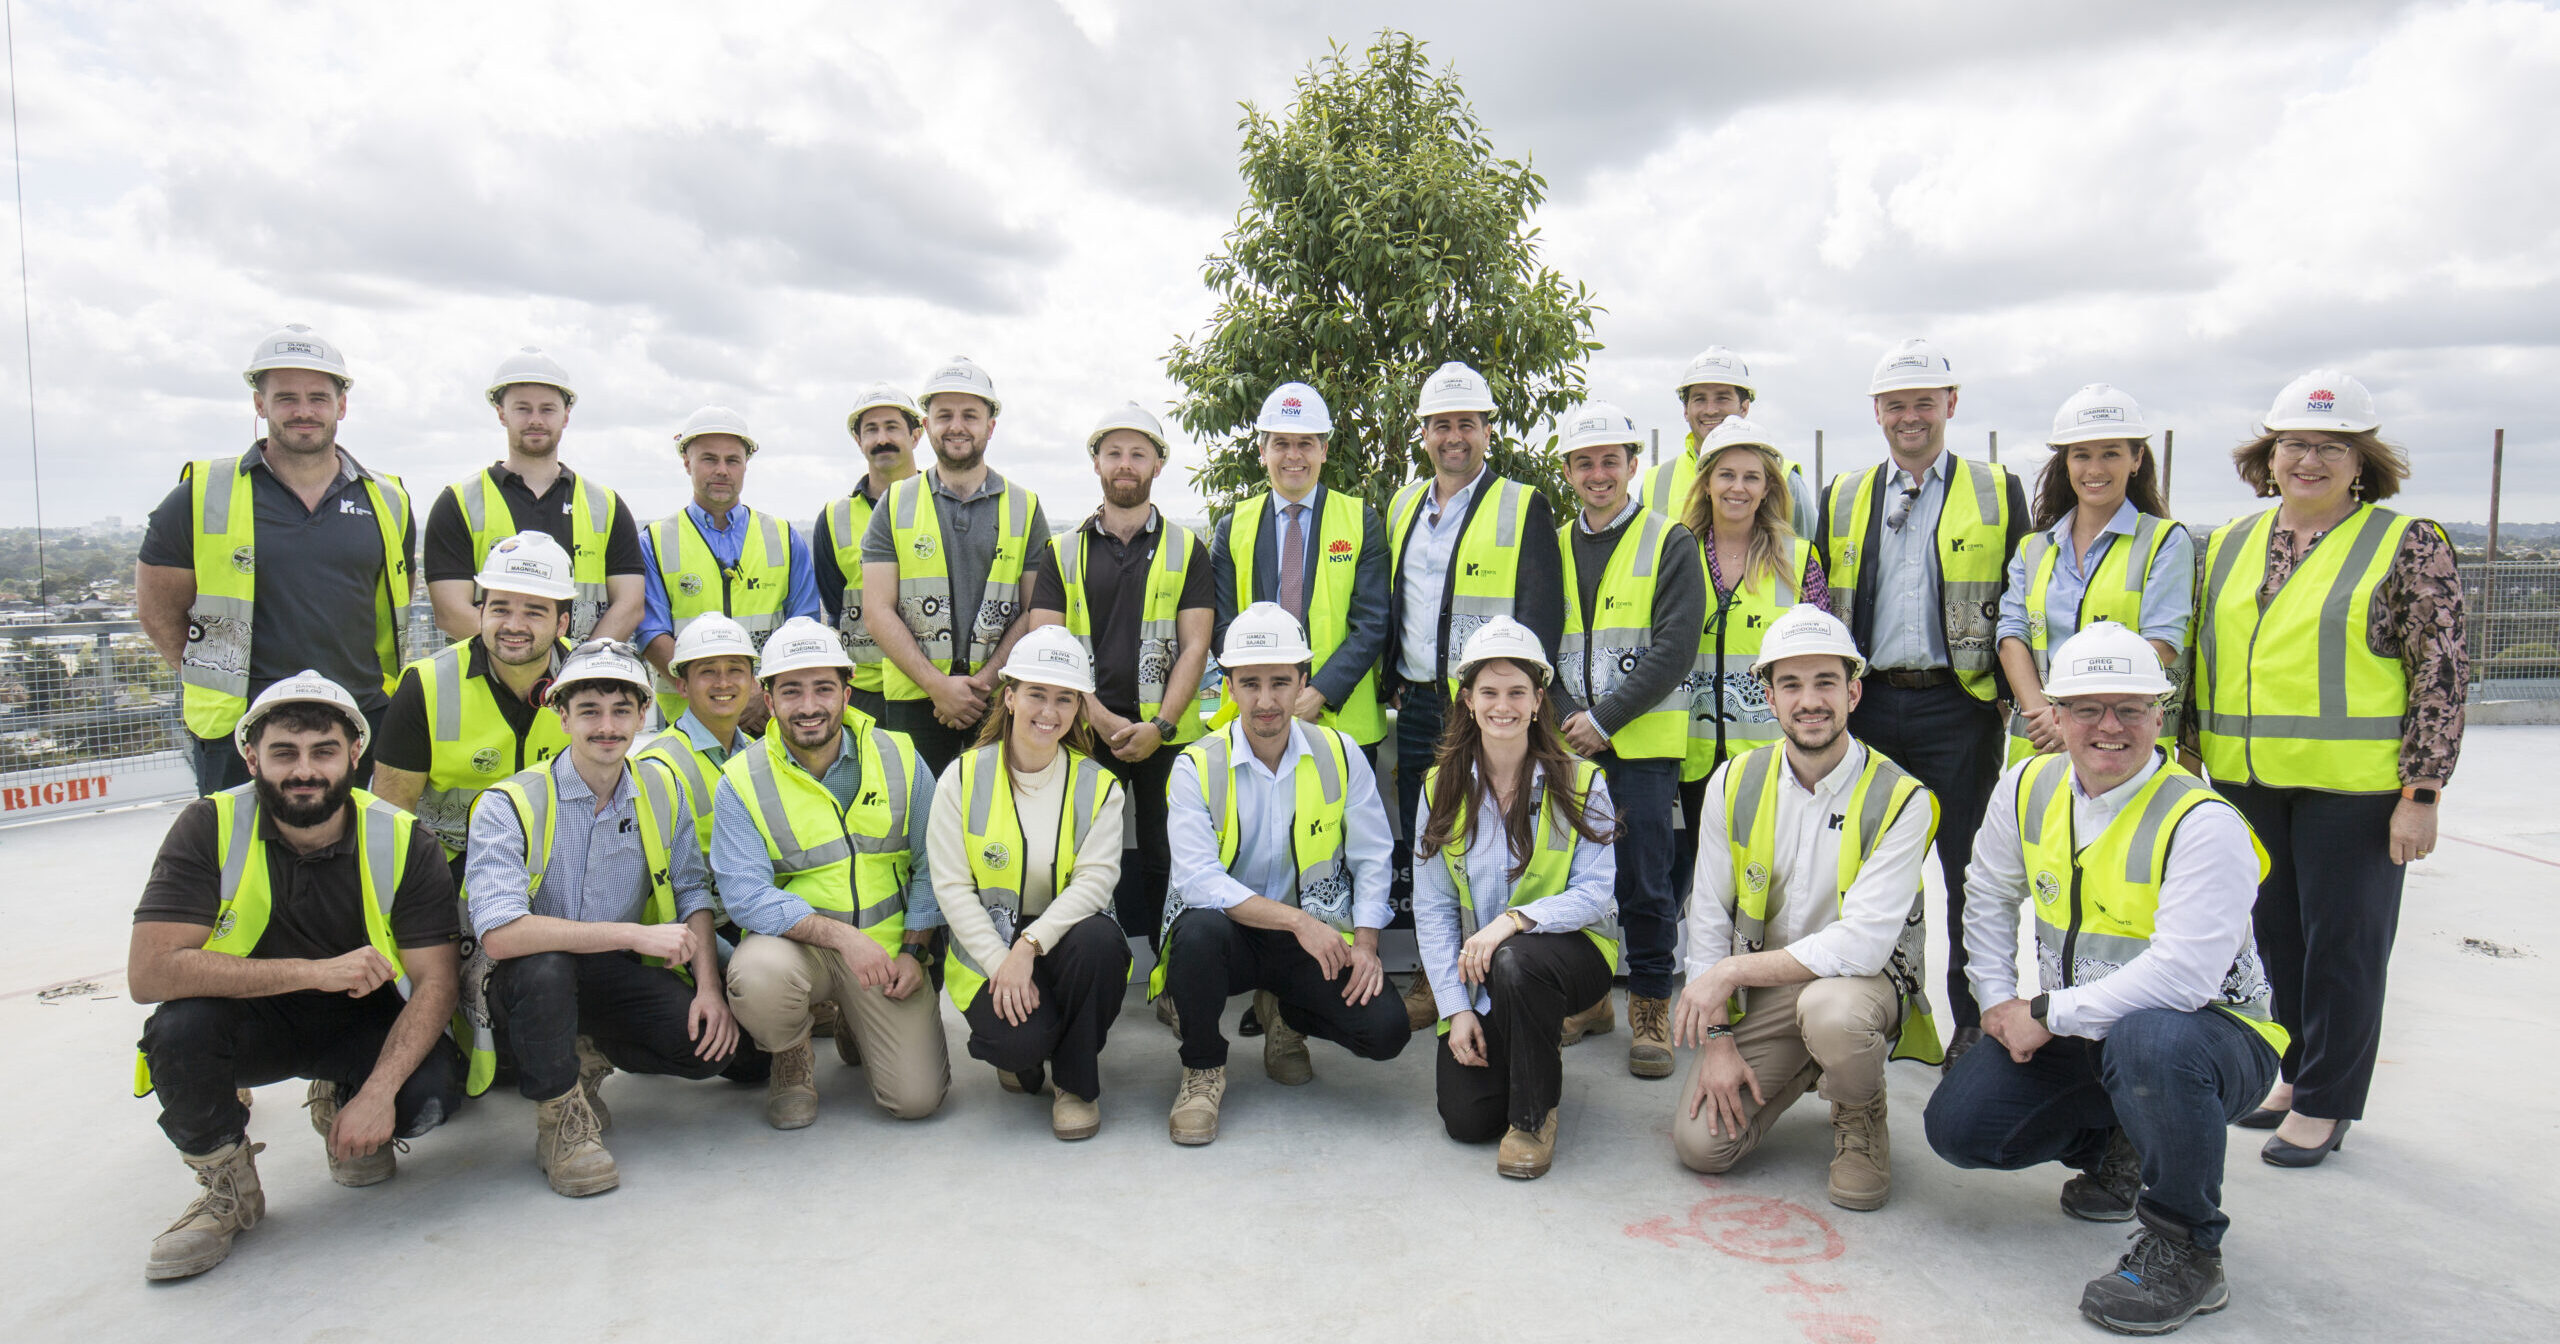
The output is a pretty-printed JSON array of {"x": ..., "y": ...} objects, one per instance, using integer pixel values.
[
  {"x": 998, "y": 726},
  {"x": 2380, "y": 467},
  {"x": 1462, "y": 765},
  {"x": 2055, "y": 498},
  {"x": 1772, "y": 526}
]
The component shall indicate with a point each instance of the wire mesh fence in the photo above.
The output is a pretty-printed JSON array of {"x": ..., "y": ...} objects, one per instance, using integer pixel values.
[
  {"x": 73, "y": 694},
  {"x": 2514, "y": 633}
]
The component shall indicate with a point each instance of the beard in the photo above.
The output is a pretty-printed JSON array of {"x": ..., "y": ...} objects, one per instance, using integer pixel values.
[
  {"x": 959, "y": 453},
  {"x": 1125, "y": 494},
  {"x": 271, "y": 796},
  {"x": 1814, "y": 737},
  {"x": 303, "y": 440}
]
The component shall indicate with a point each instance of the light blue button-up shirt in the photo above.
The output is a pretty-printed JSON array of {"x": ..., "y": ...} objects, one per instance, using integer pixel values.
[
  {"x": 728, "y": 541},
  {"x": 597, "y": 875},
  {"x": 1909, "y": 633},
  {"x": 1590, "y": 896},
  {"x": 1430, "y": 544},
  {"x": 713, "y": 749},
  {"x": 1266, "y": 803},
  {"x": 2168, "y": 593},
  {"x": 745, "y": 869}
]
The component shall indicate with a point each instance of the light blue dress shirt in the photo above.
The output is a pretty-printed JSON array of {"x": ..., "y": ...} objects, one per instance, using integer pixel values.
[
  {"x": 727, "y": 544},
  {"x": 1266, "y": 803},
  {"x": 745, "y": 869},
  {"x": 1590, "y": 896},
  {"x": 2168, "y": 593},
  {"x": 1424, "y": 575},
  {"x": 597, "y": 875},
  {"x": 1909, "y": 633}
]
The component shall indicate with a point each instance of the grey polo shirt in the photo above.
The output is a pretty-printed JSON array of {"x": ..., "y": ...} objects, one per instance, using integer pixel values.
[{"x": 970, "y": 529}]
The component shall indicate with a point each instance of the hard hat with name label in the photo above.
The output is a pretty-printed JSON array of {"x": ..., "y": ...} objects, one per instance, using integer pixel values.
[
  {"x": 799, "y": 644},
  {"x": 1051, "y": 656},
  {"x": 876, "y": 396},
  {"x": 960, "y": 374},
  {"x": 1805, "y": 629},
  {"x": 1451, "y": 388},
  {"x": 530, "y": 563},
  {"x": 2324, "y": 399},
  {"x": 1736, "y": 432},
  {"x": 2105, "y": 659},
  {"x": 297, "y": 347},
  {"x": 1914, "y": 363},
  {"x": 303, "y": 688},
  {"x": 711, "y": 635},
  {"x": 610, "y": 660},
  {"x": 1596, "y": 424},
  {"x": 530, "y": 365},
  {"x": 1715, "y": 364},
  {"x": 715, "y": 420},
  {"x": 1503, "y": 637},
  {"x": 1265, "y": 635},
  {"x": 1131, "y": 416},
  {"x": 1294, "y": 408},
  {"x": 2098, "y": 412}
]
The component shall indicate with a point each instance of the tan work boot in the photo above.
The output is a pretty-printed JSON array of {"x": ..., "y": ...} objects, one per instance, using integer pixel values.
[
  {"x": 356, "y": 1172},
  {"x": 247, "y": 1098},
  {"x": 1420, "y": 1008},
  {"x": 1284, "y": 1048},
  {"x": 1862, "y": 1155},
  {"x": 848, "y": 1045},
  {"x": 592, "y": 1068},
  {"x": 1072, "y": 1117},
  {"x": 791, "y": 1093},
  {"x": 1649, "y": 1022},
  {"x": 1597, "y": 1020},
  {"x": 1166, "y": 1014},
  {"x": 1033, "y": 1079},
  {"x": 231, "y": 1204},
  {"x": 1195, "y": 1107},
  {"x": 1526, "y": 1156},
  {"x": 570, "y": 1146}
]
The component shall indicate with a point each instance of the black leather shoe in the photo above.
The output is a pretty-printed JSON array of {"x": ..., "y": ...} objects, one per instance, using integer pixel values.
[
  {"x": 1250, "y": 1024},
  {"x": 1964, "y": 1039},
  {"x": 2279, "y": 1153},
  {"x": 2262, "y": 1118}
]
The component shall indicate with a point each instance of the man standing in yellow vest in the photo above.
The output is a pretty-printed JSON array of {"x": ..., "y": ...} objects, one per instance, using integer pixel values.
[
  {"x": 883, "y": 424},
  {"x": 1806, "y": 941},
  {"x": 1917, "y": 551},
  {"x": 2155, "y": 1027},
  {"x": 717, "y": 554},
  {"x": 533, "y": 490},
  {"x": 954, "y": 544},
  {"x": 293, "y": 927},
  {"x": 335, "y": 537},
  {"x": 1716, "y": 387},
  {"x": 1635, "y": 604}
]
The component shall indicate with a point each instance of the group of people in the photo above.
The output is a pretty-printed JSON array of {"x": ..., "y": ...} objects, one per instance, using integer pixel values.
[{"x": 2205, "y": 767}]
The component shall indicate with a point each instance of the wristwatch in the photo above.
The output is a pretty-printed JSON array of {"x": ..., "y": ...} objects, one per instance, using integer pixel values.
[
  {"x": 1718, "y": 1031},
  {"x": 1519, "y": 922},
  {"x": 2037, "y": 1005},
  {"x": 2423, "y": 797},
  {"x": 1036, "y": 949},
  {"x": 922, "y": 952},
  {"x": 1164, "y": 726}
]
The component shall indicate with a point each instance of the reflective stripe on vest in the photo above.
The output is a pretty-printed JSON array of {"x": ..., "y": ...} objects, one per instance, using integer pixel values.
[
  {"x": 1729, "y": 711},
  {"x": 1550, "y": 862},
  {"x": 2095, "y": 903},
  {"x": 1751, "y": 787},
  {"x": 1332, "y": 587},
  {"x": 1592, "y": 664},
  {"x": 535, "y": 795},
  {"x": 752, "y": 592},
  {"x": 692, "y": 771},
  {"x": 2294, "y": 697},
  {"x": 1320, "y": 805},
  {"x": 490, "y": 520},
  {"x": 2113, "y": 593},
  {"x": 924, "y": 581},
  {"x": 999, "y": 856},
  {"x": 1159, "y": 638},
  {"x": 849, "y": 864},
  {"x": 846, "y": 521},
  {"x": 469, "y": 741},
  {"x": 1973, "y": 559},
  {"x": 1484, "y": 567}
]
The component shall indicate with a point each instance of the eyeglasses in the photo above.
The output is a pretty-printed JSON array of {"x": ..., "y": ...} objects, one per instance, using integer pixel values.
[
  {"x": 2301, "y": 448},
  {"x": 2088, "y": 713}
]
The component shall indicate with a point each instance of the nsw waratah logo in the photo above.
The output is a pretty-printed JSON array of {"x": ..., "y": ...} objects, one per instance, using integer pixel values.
[
  {"x": 1291, "y": 403},
  {"x": 2322, "y": 400}
]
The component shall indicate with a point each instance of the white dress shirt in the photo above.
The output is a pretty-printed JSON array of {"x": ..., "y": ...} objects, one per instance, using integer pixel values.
[
  {"x": 1430, "y": 545},
  {"x": 1909, "y": 633},
  {"x": 1266, "y": 803}
]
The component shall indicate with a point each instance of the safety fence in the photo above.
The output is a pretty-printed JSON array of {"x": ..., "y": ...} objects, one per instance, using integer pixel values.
[{"x": 2514, "y": 610}]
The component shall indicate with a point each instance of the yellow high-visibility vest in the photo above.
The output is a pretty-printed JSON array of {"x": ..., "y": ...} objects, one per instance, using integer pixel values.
[{"x": 1973, "y": 560}]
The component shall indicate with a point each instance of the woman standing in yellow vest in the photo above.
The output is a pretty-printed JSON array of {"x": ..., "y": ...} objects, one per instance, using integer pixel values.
[
  {"x": 1514, "y": 898},
  {"x": 2105, "y": 550},
  {"x": 2332, "y": 736},
  {"x": 1024, "y": 846}
]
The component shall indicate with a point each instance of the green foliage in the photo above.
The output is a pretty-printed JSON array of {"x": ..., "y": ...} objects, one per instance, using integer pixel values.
[{"x": 1380, "y": 237}]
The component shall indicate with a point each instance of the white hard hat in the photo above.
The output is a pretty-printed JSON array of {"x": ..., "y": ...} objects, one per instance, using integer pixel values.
[
  {"x": 530, "y": 365},
  {"x": 1294, "y": 408},
  {"x": 1715, "y": 364},
  {"x": 711, "y": 635},
  {"x": 2324, "y": 399},
  {"x": 601, "y": 660},
  {"x": 1130, "y": 415},
  {"x": 960, "y": 374},
  {"x": 1503, "y": 637},
  {"x": 1052, "y": 656},
  {"x": 799, "y": 644},
  {"x": 715, "y": 420},
  {"x": 1596, "y": 424},
  {"x": 1914, "y": 363},
  {"x": 2105, "y": 659},
  {"x": 530, "y": 563},
  {"x": 297, "y": 347},
  {"x": 1736, "y": 432},
  {"x": 1265, "y": 635},
  {"x": 303, "y": 688},
  {"x": 878, "y": 395},
  {"x": 1453, "y": 387},
  {"x": 1807, "y": 629},
  {"x": 2098, "y": 412}
]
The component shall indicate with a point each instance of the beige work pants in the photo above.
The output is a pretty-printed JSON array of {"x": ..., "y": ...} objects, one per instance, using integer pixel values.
[
  {"x": 1836, "y": 1031},
  {"x": 776, "y": 985}
]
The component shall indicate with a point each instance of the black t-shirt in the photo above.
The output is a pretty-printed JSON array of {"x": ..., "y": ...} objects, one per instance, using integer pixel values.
[
  {"x": 405, "y": 742},
  {"x": 319, "y": 897},
  {"x": 1115, "y": 593},
  {"x": 449, "y": 539}
]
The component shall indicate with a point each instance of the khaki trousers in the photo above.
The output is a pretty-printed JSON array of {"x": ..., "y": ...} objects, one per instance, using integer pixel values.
[
  {"x": 776, "y": 984},
  {"x": 1836, "y": 1032}
]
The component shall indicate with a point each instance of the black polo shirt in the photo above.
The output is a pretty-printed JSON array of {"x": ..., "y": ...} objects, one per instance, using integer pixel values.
[
  {"x": 1115, "y": 594},
  {"x": 405, "y": 743},
  {"x": 449, "y": 538},
  {"x": 319, "y": 896}
]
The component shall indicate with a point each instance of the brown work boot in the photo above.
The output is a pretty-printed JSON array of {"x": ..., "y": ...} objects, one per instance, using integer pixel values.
[
  {"x": 1195, "y": 1107},
  {"x": 570, "y": 1146},
  {"x": 356, "y": 1172},
  {"x": 1166, "y": 1014},
  {"x": 231, "y": 1204},
  {"x": 1597, "y": 1020},
  {"x": 1032, "y": 1079},
  {"x": 1420, "y": 1009},
  {"x": 1284, "y": 1048},
  {"x": 1649, "y": 1022},
  {"x": 848, "y": 1045},
  {"x": 791, "y": 1093},
  {"x": 1072, "y": 1117},
  {"x": 1862, "y": 1155},
  {"x": 592, "y": 1068},
  {"x": 1526, "y": 1156}
]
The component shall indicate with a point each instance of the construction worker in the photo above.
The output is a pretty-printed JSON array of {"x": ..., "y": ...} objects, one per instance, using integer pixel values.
[
  {"x": 2155, "y": 1027},
  {"x": 1635, "y": 601},
  {"x": 1806, "y": 936},
  {"x": 1280, "y": 848},
  {"x": 818, "y": 841},
  {"x": 715, "y": 662},
  {"x": 717, "y": 554},
  {"x": 1718, "y": 386},
  {"x": 1916, "y": 550},
  {"x": 533, "y": 490},
  {"x": 1465, "y": 546},
  {"x": 336, "y": 538},
  {"x": 883, "y": 423},
  {"x": 2104, "y": 549},
  {"x": 1134, "y": 589},
  {"x": 953, "y": 544},
  {"x": 1505, "y": 985},
  {"x": 588, "y": 891},
  {"x": 1026, "y": 852},
  {"x": 293, "y": 927}
]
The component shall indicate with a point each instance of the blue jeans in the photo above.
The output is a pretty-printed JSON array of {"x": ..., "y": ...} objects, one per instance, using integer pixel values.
[
  {"x": 2172, "y": 1081},
  {"x": 1646, "y": 793},
  {"x": 1420, "y": 716}
]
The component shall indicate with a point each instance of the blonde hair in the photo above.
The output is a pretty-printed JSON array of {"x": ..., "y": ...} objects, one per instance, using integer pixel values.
[{"x": 1772, "y": 526}]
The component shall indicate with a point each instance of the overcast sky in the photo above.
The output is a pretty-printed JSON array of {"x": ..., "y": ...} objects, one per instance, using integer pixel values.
[{"x": 2194, "y": 201}]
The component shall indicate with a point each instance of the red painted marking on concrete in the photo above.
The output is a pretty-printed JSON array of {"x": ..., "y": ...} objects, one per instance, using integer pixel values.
[
  {"x": 1803, "y": 1287},
  {"x": 1750, "y": 1227},
  {"x": 1826, "y": 1328},
  {"x": 2501, "y": 849}
]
